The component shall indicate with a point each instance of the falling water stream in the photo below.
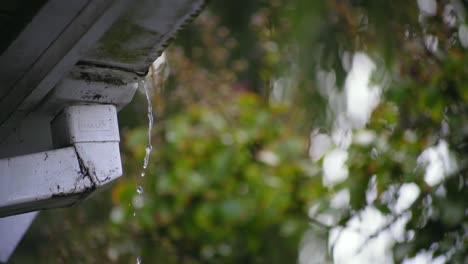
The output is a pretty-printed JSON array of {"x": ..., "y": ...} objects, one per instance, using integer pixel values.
[{"x": 149, "y": 147}]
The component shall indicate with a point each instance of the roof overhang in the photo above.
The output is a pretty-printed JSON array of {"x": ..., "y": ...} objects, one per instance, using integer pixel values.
[{"x": 59, "y": 38}]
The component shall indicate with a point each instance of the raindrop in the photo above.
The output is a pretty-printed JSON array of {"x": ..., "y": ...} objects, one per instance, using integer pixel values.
[
  {"x": 374, "y": 154},
  {"x": 138, "y": 260},
  {"x": 140, "y": 190},
  {"x": 147, "y": 154}
]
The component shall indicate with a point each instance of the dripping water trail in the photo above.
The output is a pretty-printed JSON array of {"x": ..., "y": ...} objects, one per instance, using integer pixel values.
[{"x": 149, "y": 148}]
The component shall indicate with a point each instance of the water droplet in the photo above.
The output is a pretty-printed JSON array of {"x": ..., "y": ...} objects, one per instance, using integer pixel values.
[
  {"x": 147, "y": 155},
  {"x": 140, "y": 190},
  {"x": 374, "y": 153},
  {"x": 138, "y": 260}
]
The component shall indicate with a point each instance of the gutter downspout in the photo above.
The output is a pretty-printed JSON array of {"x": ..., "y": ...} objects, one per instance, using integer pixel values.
[{"x": 87, "y": 158}]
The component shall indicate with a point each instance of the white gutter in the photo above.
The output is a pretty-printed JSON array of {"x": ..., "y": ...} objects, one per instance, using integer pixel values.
[{"x": 89, "y": 158}]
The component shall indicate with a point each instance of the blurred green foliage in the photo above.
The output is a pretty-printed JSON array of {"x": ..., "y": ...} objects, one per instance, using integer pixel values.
[
  {"x": 231, "y": 179},
  {"x": 225, "y": 179}
]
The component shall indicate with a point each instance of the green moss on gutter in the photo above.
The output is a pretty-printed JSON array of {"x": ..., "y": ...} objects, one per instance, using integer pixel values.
[{"x": 118, "y": 43}]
